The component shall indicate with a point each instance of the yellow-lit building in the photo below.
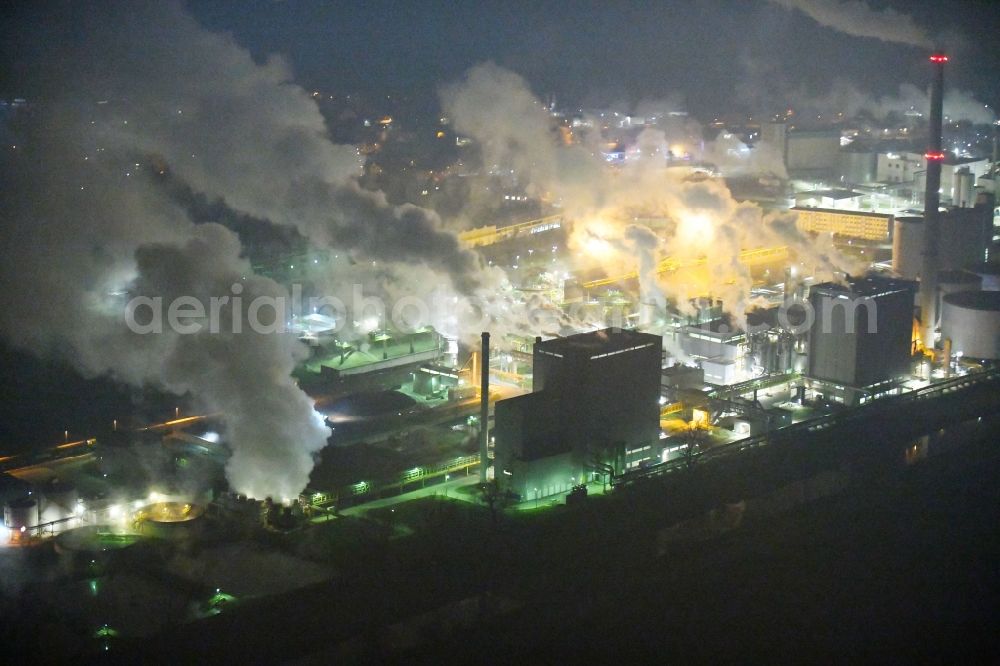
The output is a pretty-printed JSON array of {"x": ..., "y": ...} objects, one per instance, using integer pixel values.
[
  {"x": 488, "y": 235},
  {"x": 848, "y": 223}
]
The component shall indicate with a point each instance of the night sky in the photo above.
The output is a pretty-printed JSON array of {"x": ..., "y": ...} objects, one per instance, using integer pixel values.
[
  {"x": 603, "y": 52},
  {"x": 708, "y": 54}
]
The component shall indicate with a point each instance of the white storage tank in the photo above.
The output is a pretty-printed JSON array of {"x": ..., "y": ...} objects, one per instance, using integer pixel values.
[
  {"x": 907, "y": 246},
  {"x": 950, "y": 282},
  {"x": 963, "y": 188},
  {"x": 971, "y": 320},
  {"x": 59, "y": 506},
  {"x": 20, "y": 516}
]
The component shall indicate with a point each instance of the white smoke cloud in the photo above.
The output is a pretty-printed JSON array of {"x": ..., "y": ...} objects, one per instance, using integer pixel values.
[
  {"x": 857, "y": 18},
  {"x": 245, "y": 133},
  {"x": 241, "y": 373},
  {"x": 845, "y": 97},
  {"x": 86, "y": 213},
  {"x": 705, "y": 226}
]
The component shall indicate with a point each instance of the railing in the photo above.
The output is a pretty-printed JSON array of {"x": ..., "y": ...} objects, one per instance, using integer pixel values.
[
  {"x": 865, "y": 411},
  {"x": 362, "y": 488},
  {"x": 751, "y": 384}
]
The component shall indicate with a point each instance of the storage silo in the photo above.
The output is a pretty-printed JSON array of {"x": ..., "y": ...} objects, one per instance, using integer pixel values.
[
  {"x": 908, "y": 247},
  {"x": 963, "y": 188},
  {"x": 971, "y": 320},
  {"x": 20, "y": 516},
  {"x": 950, "y": 282},
  {"x": 58, "y": 505}
]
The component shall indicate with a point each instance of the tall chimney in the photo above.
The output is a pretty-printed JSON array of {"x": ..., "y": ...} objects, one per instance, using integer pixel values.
[
  {"x": 932, "y": 201},
  {"x": 484, "y": 407}
]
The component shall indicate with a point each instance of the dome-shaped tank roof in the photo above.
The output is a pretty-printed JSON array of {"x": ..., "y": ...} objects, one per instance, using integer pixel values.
[{"x": 975, "y": 300}]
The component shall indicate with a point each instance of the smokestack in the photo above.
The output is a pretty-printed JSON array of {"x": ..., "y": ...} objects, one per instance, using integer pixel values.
[
  {"x": 932, "y": 201},
  {"x": 484, "y": 406}
]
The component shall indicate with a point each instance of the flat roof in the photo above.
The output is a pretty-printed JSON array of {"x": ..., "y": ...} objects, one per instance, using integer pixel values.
[
  {"x": 871, "y": 285},
  {"x": 595, "y": 342},
  {"x": 859, "y": 213},
  {"x": 831, "y": 194}
]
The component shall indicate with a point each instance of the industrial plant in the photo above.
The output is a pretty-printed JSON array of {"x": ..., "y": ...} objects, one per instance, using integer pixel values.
[{"x": 508, "y": 318}]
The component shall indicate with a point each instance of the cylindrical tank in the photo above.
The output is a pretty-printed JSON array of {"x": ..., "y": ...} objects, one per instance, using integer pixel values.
[
  {"x": 171, "y": 520},
  {"x": 57, "y": 503},
  {"x": 907, "y": 246},
  {"x": 950, "y": 282},
  {"x": 963, "y": 188},
  {"x": 20, "y": 516},
  {"x": 990, "y": 274},
  {"x": 971, "y": 320}
]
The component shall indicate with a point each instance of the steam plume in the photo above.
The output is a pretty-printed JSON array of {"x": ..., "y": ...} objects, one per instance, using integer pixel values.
[
  {"x": 857, "y": 18},
  {"x": 89, "y": 221},
  {"x": 703, "y": 223}
]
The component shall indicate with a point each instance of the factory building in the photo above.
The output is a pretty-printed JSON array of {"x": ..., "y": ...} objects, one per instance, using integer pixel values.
[
  {"x": 860, "y": 341},
  {"x": 963, "y": 238},
  {"x": 804, "y": 152},
  {"x": 595, "y": 402},
  {"x": 856, "y": 166},
  {"x": 958, "y": 174},
  {"x": 812, "y": 152},
  {"x": 777, "y": 339},
  {"x": 898, "y": 167},
  {"x": 958, "y": 178},
  {"x": 838, "y": 198},
  {"x": 876, "y": 227},
  {"x": 718, "y": 348}
]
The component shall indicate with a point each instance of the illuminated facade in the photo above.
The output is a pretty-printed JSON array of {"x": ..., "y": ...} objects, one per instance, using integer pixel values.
[
  {"x": 595, "y": 402},
  {"x": 850, "y": 224},
  {"x": 861, "y": 338}
]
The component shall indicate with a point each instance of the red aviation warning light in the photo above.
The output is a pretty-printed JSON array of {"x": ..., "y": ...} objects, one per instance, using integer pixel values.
[
  {"x": 939, "y": 57},
  {"x": 935, "y": 156}
]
